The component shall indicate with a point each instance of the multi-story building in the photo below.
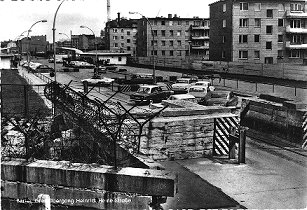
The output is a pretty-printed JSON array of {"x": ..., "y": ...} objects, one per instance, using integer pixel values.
[
  {"x": 84, "y": 42},
  {"x": 120, "y": 35},
  {"x": 35, "y": 44},
  {"x": 199, "y": 38},
  {"x": 173, "y": 37},
  {"x": 259, "y": 31}
]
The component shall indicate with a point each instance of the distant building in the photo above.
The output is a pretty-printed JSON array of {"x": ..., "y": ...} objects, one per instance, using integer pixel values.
[
  {"x": 120, "y": 35},
  {"x": 110, "y": 57},
  {"x": 84, "y": 42},
  {"x": 258, "y": 31},
  {"x": 34, "y": 45},
  {"x": 173, "y": 37}
]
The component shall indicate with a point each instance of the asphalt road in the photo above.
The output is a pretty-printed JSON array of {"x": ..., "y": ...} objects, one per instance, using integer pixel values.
[{"x": 254, "y": 86}]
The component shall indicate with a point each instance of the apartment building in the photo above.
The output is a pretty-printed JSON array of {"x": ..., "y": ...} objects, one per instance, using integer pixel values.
[
  {"x": 173, "y": 37},
  {"x": 258, "y": 31},
  {"x": 120, "y": 35}
]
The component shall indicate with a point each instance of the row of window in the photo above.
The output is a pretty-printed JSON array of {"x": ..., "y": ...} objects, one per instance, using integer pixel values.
[
  {"x": 243, "y": 54},
  {"x": 171, "y": 32},
  {"x": 244, "y": 6},
  {"x": 117, "y": 30},
  {"x": 122, "y": 38},
  {"x": 122, "y": 46},
  {"x": 170, "y": 52},
  {"x": 179, "y": 43},
  {"x": 205, "y": 23},
  {"x": 244, "y": 23},
  {"x": 243, "y": 38}
]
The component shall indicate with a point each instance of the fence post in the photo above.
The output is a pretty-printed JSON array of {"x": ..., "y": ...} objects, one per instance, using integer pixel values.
[
  {"x": 232, "y": 143},
  {"x": 242, "y": 142},
  {"x": 45, "y": 202}
]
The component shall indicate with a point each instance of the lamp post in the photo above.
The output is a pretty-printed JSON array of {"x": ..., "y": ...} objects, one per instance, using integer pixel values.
[
  {"x": 29, "y": 30},
  {"x": 67, "y": 37},
  {"x": 18, "y": 43},
  {"x": 189, "y": 53},
  {"x": 53, "y": 35},
  {"x": 153, "y": 46},
  {"x": 95, "y": 43}
]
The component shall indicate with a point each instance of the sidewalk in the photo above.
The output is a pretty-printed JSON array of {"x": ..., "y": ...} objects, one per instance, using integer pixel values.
[
  {"x": 272, "y": 178},
  {"x": 195, "y": 192}
]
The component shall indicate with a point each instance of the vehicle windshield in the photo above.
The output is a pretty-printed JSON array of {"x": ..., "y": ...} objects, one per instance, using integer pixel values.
[{"x": 144, "y": 90}]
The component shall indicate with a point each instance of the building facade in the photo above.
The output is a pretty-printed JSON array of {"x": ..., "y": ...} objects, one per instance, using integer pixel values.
[
  {"x": 173, "y": 37},
  {"x": 34, "y": 45},
  {"x": 120, "y": 35},
  {"x": 258, "y": 31},
  {"x": 84, "y": 42}
]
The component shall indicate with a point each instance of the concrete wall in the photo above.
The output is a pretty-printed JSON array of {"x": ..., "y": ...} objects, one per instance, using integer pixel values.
[
  {"x": 277, "y": 116},
  {"x": 89, "y": 185},
  {"x": 5, "y": 62},
  {"x": 182, "y": 132}
]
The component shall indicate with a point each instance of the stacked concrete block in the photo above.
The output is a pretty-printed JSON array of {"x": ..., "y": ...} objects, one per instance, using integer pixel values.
[
  {"x": 177, "y": 137},
  {"x": 283, "y": 119},
  {"x": 88, "y": 185}
]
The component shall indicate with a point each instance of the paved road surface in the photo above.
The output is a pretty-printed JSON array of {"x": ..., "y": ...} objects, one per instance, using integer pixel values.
[{"x": 272, "y": 177}]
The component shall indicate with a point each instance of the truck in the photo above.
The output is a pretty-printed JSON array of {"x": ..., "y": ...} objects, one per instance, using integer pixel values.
[{"x": 150, "y": 93}]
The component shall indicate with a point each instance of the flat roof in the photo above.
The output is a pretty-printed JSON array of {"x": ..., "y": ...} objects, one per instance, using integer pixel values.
[
  {"x": 104, "y": 53},
  {"x": 6, "y": 55}
]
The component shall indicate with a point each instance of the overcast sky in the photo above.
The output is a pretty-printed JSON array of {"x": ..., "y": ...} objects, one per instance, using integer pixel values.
[{"x": 17, "y": 16}]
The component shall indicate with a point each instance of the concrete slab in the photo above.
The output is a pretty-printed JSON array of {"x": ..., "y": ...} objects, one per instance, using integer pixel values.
[
  {"x": 194, "y": 192},
  {"x": 272, "y": 178},
  {"x": 62, "y": 173}
]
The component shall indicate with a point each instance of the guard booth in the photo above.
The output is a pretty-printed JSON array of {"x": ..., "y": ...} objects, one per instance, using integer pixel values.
[{"x": 229, "y": 138}]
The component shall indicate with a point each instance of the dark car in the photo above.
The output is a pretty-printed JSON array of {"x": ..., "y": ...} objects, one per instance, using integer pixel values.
[
  {"x": 44, "y": 69},
  {"x": 219, "y": 98},
  {"x": 147, "y": 93}
]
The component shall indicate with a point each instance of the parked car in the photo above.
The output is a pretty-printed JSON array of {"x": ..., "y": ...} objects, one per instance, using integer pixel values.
[
  {"x": 57, "y": 60},
  {"x": 139, "y": 78},
  {"x": 44, "y": 69},
  {"x": 33, "y": 65},
  {"x": 200, "y": 89},
  {"x": 221, "y": 98},
  {"x": 105, "y": 81},
  {"x": 182, "y": 84},
  {"x": 148, "y": 93},
  {"x": 186, "y": 97},
  {"x": 81, "y": 64}
]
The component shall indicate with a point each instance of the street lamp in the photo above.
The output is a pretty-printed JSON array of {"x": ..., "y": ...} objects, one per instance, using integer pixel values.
[
  {"x": 53, "y": 35},
  {"x": 29, "y": 30},
  {"x": 95, "y": 42},
  {"x": 189, "y": 53},
  {"x": 153, "y": 46},
  {"x": 18, "y": 43},
  {"x": 67, "y": 37}
]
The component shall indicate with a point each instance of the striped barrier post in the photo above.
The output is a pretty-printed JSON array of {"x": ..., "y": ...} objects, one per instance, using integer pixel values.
[
  {"x": 221, "y": 132},
  {"x": 304, "y": 127}
]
